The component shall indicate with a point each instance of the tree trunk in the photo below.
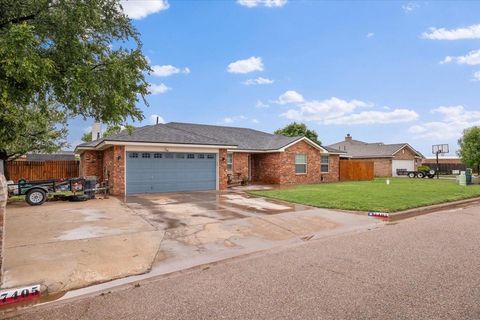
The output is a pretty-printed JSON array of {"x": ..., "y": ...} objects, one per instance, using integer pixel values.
[{"x": 4, "y": 157}]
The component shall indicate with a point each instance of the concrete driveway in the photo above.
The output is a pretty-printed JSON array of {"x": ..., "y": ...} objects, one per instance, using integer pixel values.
[{"x": 65, "y": 245}]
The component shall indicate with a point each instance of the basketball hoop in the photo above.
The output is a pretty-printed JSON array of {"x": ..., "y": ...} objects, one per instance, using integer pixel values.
[{"x": 439, "y": 149}]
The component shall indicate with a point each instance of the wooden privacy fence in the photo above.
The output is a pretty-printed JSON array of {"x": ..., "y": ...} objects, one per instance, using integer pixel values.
[
  {"x": 42, "y": 170},
  {"x": 356, "y": 170}
]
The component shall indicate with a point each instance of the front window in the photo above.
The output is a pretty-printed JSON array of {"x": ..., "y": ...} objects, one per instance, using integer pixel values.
[
  {"x": 324, "y": 165},
  {"x": 229, "y": 161},
  {"x": 300, "y": 163}
]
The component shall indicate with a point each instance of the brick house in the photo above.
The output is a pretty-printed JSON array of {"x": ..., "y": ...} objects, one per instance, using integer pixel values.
[
  {"x": 187, "y": 157},
  {"x": 387, "y": 158}
]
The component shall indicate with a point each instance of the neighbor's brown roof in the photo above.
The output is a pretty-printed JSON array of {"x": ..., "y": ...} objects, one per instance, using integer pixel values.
[{"x": 360, "y": 149}]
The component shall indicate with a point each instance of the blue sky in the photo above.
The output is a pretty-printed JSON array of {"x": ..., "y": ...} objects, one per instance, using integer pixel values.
[{"x": 376, "y": 70}]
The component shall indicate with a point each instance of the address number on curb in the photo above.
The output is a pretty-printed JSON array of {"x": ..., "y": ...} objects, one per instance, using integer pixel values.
[{"x": 19, "y": 294}]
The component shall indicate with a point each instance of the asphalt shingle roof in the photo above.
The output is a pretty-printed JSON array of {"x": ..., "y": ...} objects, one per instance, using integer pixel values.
[
  {"x": 189, "y": 133},
  {"x": 358, "y": 149}
]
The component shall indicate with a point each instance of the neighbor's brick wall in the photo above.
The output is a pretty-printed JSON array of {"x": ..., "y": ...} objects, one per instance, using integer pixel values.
[
  {"x": 267, "y": 167},
  {"x": 3, "y": 211},
  {"x": 240, "y": 164},
  {"x": 222, "y": 169}
]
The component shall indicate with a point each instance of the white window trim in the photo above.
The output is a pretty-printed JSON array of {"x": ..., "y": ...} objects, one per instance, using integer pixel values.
[
  {"x": 323, "y": 164},
  {"x": 306, "y": 164},
  {"x": 230, "y": 153}
]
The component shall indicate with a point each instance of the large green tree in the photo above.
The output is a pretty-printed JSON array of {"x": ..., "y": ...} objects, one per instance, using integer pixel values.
[
  {"x": 470, "y": 147},
  {"x": 65, "y": 58},
  {"x": 298, "y": 129}
]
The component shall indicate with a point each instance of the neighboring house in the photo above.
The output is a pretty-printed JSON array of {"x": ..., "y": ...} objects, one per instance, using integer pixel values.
[
  {"x": 387, "y": 158},
  {"x": 186, "y": 157}
]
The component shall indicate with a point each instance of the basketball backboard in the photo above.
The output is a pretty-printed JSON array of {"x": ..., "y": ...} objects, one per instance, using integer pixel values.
[{"x": 440, "y": 148}]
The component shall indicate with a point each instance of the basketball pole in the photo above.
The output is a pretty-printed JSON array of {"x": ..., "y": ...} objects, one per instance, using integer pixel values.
[{"x": 438, "y": 165}]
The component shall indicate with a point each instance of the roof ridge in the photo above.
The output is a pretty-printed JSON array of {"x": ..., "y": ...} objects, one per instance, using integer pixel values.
[{"x": 219, "y": 126}]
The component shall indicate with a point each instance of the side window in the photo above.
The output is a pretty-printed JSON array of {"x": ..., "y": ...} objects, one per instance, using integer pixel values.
[
  {"x": 324, "y": 164},
  {"x": 300, "y": 163},
  {"x": 229, "y": 162}
]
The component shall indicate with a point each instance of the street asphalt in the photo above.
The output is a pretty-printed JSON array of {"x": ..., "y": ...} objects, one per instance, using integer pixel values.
[{"x": 426, "y": 267}]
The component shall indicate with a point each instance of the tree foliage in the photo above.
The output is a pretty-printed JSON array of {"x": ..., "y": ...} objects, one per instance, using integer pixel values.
[
  {"x": 65, "y": 58},
  {"x": 298, "y": 129},
  {"x": 470, "y": 147}
]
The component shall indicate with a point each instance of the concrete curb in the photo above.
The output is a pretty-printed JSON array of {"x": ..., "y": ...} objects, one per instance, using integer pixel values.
[{"x": 396, "y": 216}]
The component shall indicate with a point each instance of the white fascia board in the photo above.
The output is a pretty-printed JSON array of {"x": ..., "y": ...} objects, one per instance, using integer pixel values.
[
  {"x": 159, "y": 144},
  {"x": 313, "y": 144}
]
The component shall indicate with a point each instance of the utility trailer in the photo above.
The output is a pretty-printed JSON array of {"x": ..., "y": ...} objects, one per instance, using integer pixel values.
[
  {"x": 36, "y": 192},
  {"x": 417, "y": 174}
]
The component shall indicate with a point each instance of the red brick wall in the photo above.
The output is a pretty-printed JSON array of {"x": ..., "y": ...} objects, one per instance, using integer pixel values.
[
  {"x": 222, "y": 169},
  {"x": 114, "y": 169},
  {"x": 240, "y": 164},
  {"x": 91, "y": 164},
  {"x": 266, "y": 167},
  {"x": 279, "y": 168}
]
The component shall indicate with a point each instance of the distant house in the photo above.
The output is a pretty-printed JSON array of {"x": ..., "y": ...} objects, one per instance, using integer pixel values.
[{"x": 387, "y": 158}]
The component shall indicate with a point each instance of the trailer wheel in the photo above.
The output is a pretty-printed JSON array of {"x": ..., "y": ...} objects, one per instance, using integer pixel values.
[
  {"x": 421, "y": 175},
  {"x": 36, "y": 197},
  {"x": 411, "y": 174}
]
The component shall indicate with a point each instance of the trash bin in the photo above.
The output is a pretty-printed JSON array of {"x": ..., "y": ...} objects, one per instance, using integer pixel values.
[
  {"x": 462, "y": 179},
  {"x": 468, "y": 175},
  {"x": 90, "y": 184}
]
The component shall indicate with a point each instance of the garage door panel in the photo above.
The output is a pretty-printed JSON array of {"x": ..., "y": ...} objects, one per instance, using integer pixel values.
[
  {"x": 408, "y": 165},
  {"x": 170, "y": 172}
]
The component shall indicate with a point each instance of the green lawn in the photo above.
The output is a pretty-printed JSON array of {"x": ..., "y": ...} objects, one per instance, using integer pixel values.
[{"x": 401, "y": 194}]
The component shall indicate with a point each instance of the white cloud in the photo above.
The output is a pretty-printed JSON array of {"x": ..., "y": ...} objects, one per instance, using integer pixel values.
[
  {"x": 245, "y": 66},
  {"x": 257, "y": 81},
  {"x": 158, "y": 88},
  {"x": 265, "y": 3},
  {"x": 153, "y": 119},
  {"x": 233, "y": 119},
  {"x": 476, "y": 76},
  {"x": 373, "y": 117},
  {"x": 139, "y": 9},
  {"x": 471, "y": 32},
  {"x": 255, "y": 121},
  {"x": 261, "y": 104},
  {"x": 168, "y": 70},
  {"x": 410, "y": 7},
  {"x": 290, "y": 96},
  {"x": 471, "y": 58},
  {"x": 336, "y": 111},
  {"x": 370, "y": 34},
  {"x": 454, "y": 120}
]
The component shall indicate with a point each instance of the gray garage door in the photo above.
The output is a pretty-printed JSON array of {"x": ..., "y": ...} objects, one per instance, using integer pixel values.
[{"x": 170, "y": 172}]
